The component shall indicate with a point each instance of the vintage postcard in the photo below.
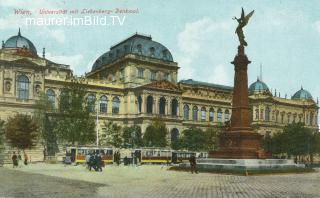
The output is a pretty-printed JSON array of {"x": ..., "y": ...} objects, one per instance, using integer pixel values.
[{"x": 171, "y": 98}]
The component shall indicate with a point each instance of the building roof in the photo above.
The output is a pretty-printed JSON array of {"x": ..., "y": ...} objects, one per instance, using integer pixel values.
[
  {"x": 302, "y": 94},
  {"x": 138, "y": 44},
  {"x": 20, "y": 42},
  {"x": 258, "y": 87},
  {"x": 205, "y": 84}
]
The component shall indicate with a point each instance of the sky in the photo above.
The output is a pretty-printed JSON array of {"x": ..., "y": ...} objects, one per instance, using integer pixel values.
[{"x": 282, "y": 36}]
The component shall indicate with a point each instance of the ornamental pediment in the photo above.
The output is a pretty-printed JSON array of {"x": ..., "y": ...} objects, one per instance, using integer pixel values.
[
  {"x": 163, "y": 85},
  {"x": 23, "y": 61}
]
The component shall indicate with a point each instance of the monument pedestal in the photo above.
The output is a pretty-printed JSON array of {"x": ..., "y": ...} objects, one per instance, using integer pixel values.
[
  {"x": 243, "y": 144},
  {"x": 216, "y": 164}
]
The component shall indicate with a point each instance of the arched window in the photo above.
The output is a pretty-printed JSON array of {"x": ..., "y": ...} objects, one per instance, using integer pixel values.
[
  {"x": 174, "y": 107},
  {"x": 203, "y": 114},
  {"x": 149, "y": 104},
  {"x": 282, "y": 118},
  {"x": 311, "y": 118},
  {"x": 257, "y": 114},
  {"x": 51, "y": 97},
  {"x": 211, "y": 115},
  {"x": 261, "y": 114},
  {"x": 226, "y": 115},
  {"x": 195, "y": 113},
  {"x": 103, "y": 104},
  {"x": 162, "y": 106},
  {"x": 139, "y": 104},
  {"x": 277, "y": 115},
  {"x": 115, "y": 105},
  {"x": 90, "y": 103},
  {"x": 23, "y": 87},
  {"x": 64, "y": 100},
  {"x": 219, "y": 115},
  {"x": 174, "y": 135},
  {"x": 186, "y": 112},
  {"x": 267, "y": 114}
]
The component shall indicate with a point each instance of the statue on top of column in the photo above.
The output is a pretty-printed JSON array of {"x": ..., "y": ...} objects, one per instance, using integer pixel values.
[{"x": 243, "y": 21}]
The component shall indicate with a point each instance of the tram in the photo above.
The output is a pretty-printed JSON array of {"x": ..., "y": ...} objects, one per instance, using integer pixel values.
[
  {"x": 153, "y": 155},
  {"x": 163, "y": 156},
  {"x": 78, "y": 154}
]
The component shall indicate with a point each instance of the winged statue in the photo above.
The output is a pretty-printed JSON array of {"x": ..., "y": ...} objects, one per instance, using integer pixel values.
[{"x": 243, "y": 21}]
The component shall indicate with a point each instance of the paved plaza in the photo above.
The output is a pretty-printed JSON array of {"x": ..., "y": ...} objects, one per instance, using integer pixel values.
[{"x": 56, "y": 180}]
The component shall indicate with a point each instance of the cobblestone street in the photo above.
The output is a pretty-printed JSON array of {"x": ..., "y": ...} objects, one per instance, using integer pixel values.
[{"x": 41, "y": 180}]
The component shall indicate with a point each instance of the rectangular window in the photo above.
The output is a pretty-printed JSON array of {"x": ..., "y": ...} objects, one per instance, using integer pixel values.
[
  {"x": 166, "y": 76},
  {"x": 140, "y": 73},
  {"x": 153, "y": 75},
  {"x": 122, "y": 74}
]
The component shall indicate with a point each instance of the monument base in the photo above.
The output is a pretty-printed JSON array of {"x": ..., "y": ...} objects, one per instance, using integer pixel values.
[
  {"x": 244, "y": 164},
  {"x": 239, "y": 144}
]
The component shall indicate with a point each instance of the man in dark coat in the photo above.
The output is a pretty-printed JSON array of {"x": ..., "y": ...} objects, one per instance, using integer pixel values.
[
  {"x": 193, "y": 163},
  {"x": 14, "y": 159}
]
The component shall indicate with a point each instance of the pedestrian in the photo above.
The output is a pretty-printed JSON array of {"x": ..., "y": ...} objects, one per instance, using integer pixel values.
[
  {"x": 193, "y": 164},
  {"x": 26, "y": 158},
  {"x": 19, "y": 159},
  {"x": 99, "y": 163},
  {"x": 14, "y": 159},
  {"x": 88, "y": 160},
  {"x": 91, "y": 162}
]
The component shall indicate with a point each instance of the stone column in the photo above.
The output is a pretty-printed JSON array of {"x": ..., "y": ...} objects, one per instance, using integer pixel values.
[{"x": 239, "y": 141}]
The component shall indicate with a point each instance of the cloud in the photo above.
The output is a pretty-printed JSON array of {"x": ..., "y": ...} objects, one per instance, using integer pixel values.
[
  {"x": 195, "y": 45},
  {"x": 58, "y": 35},
  {"x": 73, "y": 60},
  {"x": 191, "y": 39},
  {"x": 316, "y": 25}
]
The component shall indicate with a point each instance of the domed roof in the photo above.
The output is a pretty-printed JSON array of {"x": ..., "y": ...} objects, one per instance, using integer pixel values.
[
  {"x": 19, "y": 41},
  {"x": 137, "y": 44},
  {"x": 302, "y": 94},
  {"x": 258, "y": 87}
]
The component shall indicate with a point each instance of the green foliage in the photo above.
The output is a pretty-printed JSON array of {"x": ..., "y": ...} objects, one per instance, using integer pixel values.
[
  {"x": 155, "y": 134},
  {"x": 194, "y": 139},
  {"x": 1, "y": 133},
  {"x": 132, "y": 137},
  {"x": 212, "y": 138},
  {"x": 74, "y": 123},
  {"x": 46, "y": 122},
  {"x": 21, "y": 131},
  {"x": 113, "y": 135},
  {"x": 296, "y": 140}
]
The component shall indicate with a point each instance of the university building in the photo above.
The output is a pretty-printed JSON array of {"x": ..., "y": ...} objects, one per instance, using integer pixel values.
[{"x": 137, "y": 80}]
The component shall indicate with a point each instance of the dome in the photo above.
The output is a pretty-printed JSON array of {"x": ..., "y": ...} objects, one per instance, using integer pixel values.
[
  {"x": 137, "y": 44},
  {"x": 258, "y": 87},
  {"x": 19, "y": 41},
  {"x": 302, "y": 94}
]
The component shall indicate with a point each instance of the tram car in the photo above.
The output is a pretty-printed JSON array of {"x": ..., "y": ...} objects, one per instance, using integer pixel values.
[
  {"x": 202, "y": 155},
  {"x": 181, "y": 156},
  {"x": 153, "y": 155},
  {"x": 78, "y": 154}
]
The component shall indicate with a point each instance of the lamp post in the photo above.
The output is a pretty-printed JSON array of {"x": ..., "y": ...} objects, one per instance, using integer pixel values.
[{"x": 97, "y": 126}]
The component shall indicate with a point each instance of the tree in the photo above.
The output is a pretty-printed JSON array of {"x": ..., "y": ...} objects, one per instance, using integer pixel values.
[
  {"x": 212, "y": 138},
  {"x": 132, "y": 137},
  {"x": 73, "y": 122},
  {"x": 45, "y": 117},
  {"x": 155, "y": 134},
  {"x": 1, "y": 134},
  {"x": 295, "y": 140},
  {"x": 113, "y": 135},
  {"x": 21, "y": 131},
  {"x": 194, "y": 139}
]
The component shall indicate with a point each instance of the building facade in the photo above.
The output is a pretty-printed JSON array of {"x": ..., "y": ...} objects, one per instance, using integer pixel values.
[{"x": 137, "y": 80}]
